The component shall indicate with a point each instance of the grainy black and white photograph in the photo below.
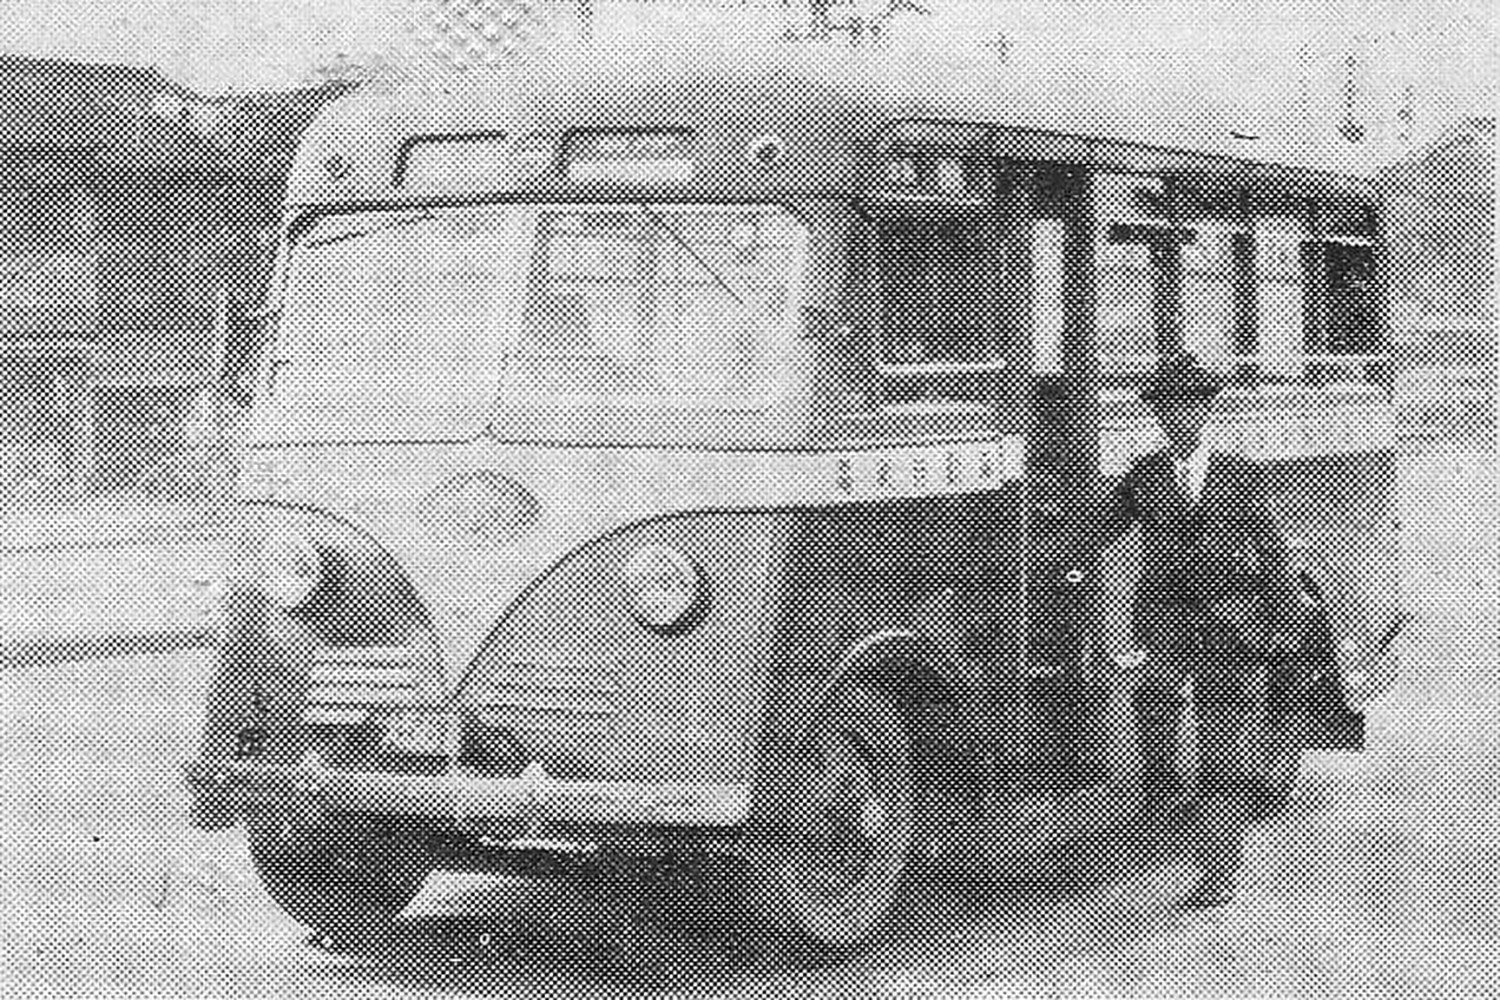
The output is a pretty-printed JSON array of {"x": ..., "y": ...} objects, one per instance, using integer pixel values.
[{"x": 896, "y": 499}]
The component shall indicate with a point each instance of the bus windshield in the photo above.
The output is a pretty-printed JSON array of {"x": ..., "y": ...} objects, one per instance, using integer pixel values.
[{"x": 418, "y": 324}]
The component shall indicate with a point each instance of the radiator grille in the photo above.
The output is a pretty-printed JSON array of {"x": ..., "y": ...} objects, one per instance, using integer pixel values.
[
  {"x": 345, "y": 684},
  {"x": 527, "y": 698}
]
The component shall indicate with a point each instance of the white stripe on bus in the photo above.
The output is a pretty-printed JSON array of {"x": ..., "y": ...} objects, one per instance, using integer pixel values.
[
  {"x": 919, "y": 470},
  {"x": 1300, "y": 433}
]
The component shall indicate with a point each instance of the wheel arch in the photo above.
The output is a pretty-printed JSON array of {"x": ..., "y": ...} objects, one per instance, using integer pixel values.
[
  {"x": 898, "y": 663},
  {"x": 892, "y": 662},
  {"x": 1360, "y": 627},
  {"x": 879, "y": 672}
]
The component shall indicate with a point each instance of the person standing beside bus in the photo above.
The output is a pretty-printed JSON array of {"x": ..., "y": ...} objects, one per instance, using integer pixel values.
[{"x": 1209, "y": 604}]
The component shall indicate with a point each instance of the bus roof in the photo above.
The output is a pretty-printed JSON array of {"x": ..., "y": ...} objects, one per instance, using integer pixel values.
[{"x": 827, "y": 108}]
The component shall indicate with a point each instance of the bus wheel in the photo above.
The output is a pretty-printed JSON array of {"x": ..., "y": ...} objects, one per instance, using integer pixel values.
[
  {"x": 1278, "y": 747},
  {"x": 347, "y": 887},
  {"x": 848, "y": 831}
]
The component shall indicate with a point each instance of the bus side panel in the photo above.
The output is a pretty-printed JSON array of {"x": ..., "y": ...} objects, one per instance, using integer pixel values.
[
  {"x": 1341, "y": 508},
  {"x": 935, "y": 581},
  {"x": 592, "y": 694},
  {"x": 977, "y": 551}
]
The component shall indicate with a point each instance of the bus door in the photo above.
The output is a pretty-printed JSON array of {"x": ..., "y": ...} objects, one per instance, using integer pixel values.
[{"x": 1062, "y": 485}]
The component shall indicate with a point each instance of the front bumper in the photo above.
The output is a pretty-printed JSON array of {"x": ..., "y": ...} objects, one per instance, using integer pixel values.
[{"x": 457, "y": 800}]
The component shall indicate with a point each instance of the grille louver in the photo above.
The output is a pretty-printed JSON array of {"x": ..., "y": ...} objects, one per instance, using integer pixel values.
[
  {"x": 527, "y": 698},
  {"x": 344, "y": 684}
]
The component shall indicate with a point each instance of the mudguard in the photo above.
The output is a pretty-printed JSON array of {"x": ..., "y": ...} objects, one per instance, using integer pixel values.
[
  {"x": 1313, "y": 679},
  {"x": 1313, "y": 685}
]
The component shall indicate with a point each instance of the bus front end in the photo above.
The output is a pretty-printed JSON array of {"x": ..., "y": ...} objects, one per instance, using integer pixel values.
[{"x": 500, "y": 593}]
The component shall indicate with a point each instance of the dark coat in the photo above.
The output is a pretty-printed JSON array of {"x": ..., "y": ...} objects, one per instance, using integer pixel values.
[{"x": 1220, "y": 562}]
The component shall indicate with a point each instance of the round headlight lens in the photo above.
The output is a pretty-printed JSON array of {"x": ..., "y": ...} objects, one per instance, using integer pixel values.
[
  {"x": 663, "y": 586},
  {"x": 291, "y": 568}
]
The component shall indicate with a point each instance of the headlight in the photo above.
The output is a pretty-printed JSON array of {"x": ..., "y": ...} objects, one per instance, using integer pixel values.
[
  {"x": 663, "y": 586},
  {"x": 291, "y": 567}
]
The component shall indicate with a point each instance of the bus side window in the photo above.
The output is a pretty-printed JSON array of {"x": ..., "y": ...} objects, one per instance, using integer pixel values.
[
  {"x": 1352, "y": 325},
  {"x": 1317, "y": 300},
  {"x": 1280, "y": 298},
  {"x": 1216, "y": 261},
  {"x": 1136, "y": 300},
  {"x": 936, "y": 332}
]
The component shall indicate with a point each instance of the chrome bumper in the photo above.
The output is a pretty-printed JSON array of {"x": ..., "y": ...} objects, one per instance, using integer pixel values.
[{"x": 458, "y": 800}]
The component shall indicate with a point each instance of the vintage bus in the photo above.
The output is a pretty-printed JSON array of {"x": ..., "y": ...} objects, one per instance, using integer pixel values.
[{"x": 687, "y": 467}]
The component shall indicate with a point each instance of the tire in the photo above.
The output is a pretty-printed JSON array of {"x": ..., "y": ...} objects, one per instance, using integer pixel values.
[
  {"x": 846, "y": 838},
  {"x": 346, "y": 886},
  {"x": 1277, "y": 764},
  {"x": 1279, "y": 743}
]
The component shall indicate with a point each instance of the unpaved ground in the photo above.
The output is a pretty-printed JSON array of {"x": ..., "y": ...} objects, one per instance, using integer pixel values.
[{"x": 1381, "y": 882}]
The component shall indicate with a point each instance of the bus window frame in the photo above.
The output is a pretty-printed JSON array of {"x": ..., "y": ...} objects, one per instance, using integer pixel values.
[
  {"x": 298, "y": 221},
  {"x": 787, "y": 332},
  {"x": 1247, "y": 361},
  {"x": 994, "y": 215},
  {"x": 885, "y": 375},
  {"x": 1322, "y": 366},
  {"x": 1163, "y": 242},
  {"x": 1317, "y": 367},
  {"x": 260, "y": 373},
  {"x": 876, "y": 416},
  {"x": 1238, "y": 225}
]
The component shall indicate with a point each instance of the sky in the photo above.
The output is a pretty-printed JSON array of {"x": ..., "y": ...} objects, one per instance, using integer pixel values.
[{"x": 1444, "y": 50}]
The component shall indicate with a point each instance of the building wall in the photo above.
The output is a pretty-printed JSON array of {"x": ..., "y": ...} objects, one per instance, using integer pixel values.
[
  {"x": 46, "y": 435},
  {"x": 132, "y": 223},
  {"x": 48, "y": 321},
  {"x": 107, "y": 304},
  {"x": 1441, "y": 230}
]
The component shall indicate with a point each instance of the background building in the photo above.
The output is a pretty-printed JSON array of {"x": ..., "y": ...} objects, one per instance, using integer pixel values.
[
  {"x": 82, "y": 152},
  {"x": 1441, "y": 231},
  {"x": 135, "y": 219},
  {"x": 1441, "y": 228}
]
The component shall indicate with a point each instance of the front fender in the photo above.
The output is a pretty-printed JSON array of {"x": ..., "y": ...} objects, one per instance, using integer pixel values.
[{"x": 1362, "y": 624}]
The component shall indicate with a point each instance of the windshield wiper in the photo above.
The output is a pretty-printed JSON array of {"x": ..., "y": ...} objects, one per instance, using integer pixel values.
[
  {"x": 718, "y": 278},
  {"x": 400, "y": 222}
]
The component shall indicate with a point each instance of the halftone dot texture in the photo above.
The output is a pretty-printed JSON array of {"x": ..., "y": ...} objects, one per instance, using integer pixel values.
[{"x": 138, "y": 233}]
